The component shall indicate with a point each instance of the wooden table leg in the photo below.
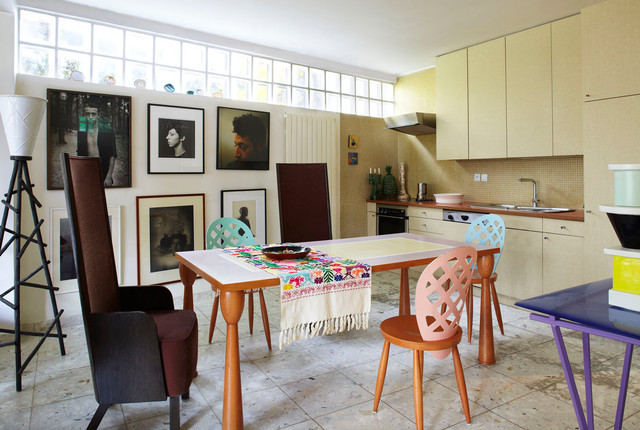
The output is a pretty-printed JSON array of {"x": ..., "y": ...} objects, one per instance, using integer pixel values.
[
  {"x": 486, "y": 353},
  {"x": 188, "y": 277},
  {"x": 232, "y": 304},
  {"x": 405, "y": 296}
]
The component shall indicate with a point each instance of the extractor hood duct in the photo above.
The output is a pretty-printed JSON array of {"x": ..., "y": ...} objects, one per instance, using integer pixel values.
[{"x": 415, "y": 124}]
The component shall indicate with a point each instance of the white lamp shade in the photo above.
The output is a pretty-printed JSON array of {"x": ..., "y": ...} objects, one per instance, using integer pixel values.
[{"x": 21, "y": 118}]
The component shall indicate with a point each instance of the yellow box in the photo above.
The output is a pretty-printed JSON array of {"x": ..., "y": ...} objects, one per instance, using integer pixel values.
[{"x": 626, "y": 274}]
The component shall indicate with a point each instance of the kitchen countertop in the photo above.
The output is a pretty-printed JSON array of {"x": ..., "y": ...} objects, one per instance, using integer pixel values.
[{"x": 576, "y": 215}]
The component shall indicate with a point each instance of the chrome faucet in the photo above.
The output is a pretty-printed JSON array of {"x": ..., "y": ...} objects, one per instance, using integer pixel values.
[{"x": 535, "y": 200}]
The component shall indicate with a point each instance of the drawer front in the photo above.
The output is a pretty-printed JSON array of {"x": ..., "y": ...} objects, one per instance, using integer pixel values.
[
  {"x": 432, "y": 213},
  {"x": 522, "y": 222},
  {"x": 425, "y": 225},
  {"x": 371, "y": 207},
  {"x": 558, "y": 226}
]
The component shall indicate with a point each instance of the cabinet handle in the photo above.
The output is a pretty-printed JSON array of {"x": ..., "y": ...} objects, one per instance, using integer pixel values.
[
  {"x": 588, "y": 211},
  {"x": 587, "y": 95},
  {"x": 546, "y": 238},
  {"x": 563, "y": 227}
]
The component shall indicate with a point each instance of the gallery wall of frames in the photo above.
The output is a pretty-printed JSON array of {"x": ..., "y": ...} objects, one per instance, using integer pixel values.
[{"x": 171, "y": 165}]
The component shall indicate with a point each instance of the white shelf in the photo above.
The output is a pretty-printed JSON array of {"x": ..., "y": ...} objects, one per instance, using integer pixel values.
[
  {"x": 623, "y": 210},
  {"x": 623, "y": 252}
]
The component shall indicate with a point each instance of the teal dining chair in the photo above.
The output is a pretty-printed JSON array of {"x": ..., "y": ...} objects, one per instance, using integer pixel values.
[
  {"x": 488, "y": 230},
  {"x": 229, "y": 232}
]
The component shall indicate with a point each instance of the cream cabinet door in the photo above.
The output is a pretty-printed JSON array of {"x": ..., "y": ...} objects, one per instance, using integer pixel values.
[
  {"x": 520, "y": 267},
  {"x": 452, "y": 129},
  {"x": 610, "y": 46},
  {"x": 487, "y": 100},
  {"x": 372, "y": 224},
  {"x": 529, "y": 100},
  {"x": 562, "y": 265},
  {"x": 566, "y": 61}
]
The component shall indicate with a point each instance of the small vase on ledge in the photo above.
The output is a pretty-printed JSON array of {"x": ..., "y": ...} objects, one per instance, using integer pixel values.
[
  {"x": 389, "y": 185},
  {"x": 403, "y": 196}
]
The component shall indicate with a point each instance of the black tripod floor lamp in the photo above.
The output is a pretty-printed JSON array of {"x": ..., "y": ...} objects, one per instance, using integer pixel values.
[{"x": 21, "y": 117}]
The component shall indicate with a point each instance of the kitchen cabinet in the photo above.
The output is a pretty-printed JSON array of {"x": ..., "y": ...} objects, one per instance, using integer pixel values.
[
  {"x": 610, "y": 42},
  {"x": 566, "y": 62},
  {"x": 529, "y": 87},
  {"x": 372, "y": 222},
  {"x": 487, "y": 100},
  {"x": 452, "y": 140},
  {"x": 562, "y": 245},
  {"x": 426, "y": 221}
]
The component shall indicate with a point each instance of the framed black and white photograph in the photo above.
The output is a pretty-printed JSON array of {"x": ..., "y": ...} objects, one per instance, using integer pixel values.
[
  {"x": 89, "y": 124},
  {"x": 175, "y": 139},
  {"x": 167, "y": 224},
  {"x": 250, "y": 207},
  {"x": 63, "y": 268},
  {"x": 243, "y": 139}
]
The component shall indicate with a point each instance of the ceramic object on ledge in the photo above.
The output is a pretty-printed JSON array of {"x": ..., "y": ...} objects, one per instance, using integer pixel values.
[
  {"x": 449, "y": 198},
  {"x": 626, "y": 224},
  {"x": 626, "y": 184}
]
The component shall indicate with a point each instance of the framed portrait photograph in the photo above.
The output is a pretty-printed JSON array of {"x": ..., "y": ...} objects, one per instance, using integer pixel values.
[
  {"x": 89, "y": 124},
  {"x": 167, "y": 224},
  {"x": 248, "y": 206},
  {"x": 175, "y": 139},
  {"x": 63, "y": 269},
  {"x": 243, "y": 139}
]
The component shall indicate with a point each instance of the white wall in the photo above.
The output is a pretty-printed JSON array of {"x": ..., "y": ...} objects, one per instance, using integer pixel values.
[{"x": 36, "y": 306}]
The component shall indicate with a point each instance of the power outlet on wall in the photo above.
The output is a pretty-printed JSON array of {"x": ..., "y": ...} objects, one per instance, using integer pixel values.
[
  {"x": 476, "y": 177},
  {"x": 485, "y": 177}
]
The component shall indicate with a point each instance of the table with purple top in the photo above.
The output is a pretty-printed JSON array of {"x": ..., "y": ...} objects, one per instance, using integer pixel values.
[{"x": 585, "y": 308}]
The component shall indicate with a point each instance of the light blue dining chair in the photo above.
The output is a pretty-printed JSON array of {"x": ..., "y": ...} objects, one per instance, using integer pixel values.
[
  {"x": 228, "y": 232},
  {"x": 488, "y": 230}
]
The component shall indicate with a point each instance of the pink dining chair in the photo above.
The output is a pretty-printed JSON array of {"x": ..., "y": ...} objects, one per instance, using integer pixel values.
[{"x": 441, "y": 294}]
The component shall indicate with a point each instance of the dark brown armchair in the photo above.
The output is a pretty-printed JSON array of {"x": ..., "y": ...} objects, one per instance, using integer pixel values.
[
  {"x": 140, "y": 348},
  {"x": 303, "y": 195}
]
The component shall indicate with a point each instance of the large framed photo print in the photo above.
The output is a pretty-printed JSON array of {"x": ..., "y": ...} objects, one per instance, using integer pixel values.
[
  {"x": 175, "y": 139},
  {"x": 243, "y": 139},
  {"x": 167, "y": 224},
  {"x": 249, "y": 206},
  {"x": 62, "y": 263},
  {"x": 89, "y": 124}
]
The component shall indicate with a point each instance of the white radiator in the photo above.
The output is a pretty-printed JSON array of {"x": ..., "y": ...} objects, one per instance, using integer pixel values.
[{"x": 314, "y": 139}]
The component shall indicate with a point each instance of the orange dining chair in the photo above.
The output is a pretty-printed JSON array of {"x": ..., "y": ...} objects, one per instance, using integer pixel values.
[
  {"x": 488, "y": 230},
  {"x": 231, "y": 232},
  {"x": 441, "y": 293}
]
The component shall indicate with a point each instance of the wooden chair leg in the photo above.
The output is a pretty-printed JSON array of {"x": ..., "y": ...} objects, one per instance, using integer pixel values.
[
  {"x": 265, "y": 318},
  {"x": 421, "y": 358},
  {"x": 496, "y": 306},
  {"x": 97, "y": 416},
  {"x": 174, "y": 413},
  {"x": 214, "y": 316},
  {"x": 417, "y": 390},
  {"x": 470, "y": 313},
  {"x": 250, "y": 293},
  {"x": 462, "y": 386},
  {"x": 382, "y": 372}
]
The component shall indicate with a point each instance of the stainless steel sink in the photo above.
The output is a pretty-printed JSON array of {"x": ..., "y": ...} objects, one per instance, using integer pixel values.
[{"x": 517, "y": 208}]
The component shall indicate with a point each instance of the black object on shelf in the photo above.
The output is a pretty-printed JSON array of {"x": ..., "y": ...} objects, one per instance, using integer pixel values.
[{"x": 21, "y": 183}]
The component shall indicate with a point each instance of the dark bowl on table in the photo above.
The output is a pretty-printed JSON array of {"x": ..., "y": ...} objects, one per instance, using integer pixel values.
[{"x": 285, "y": 252}]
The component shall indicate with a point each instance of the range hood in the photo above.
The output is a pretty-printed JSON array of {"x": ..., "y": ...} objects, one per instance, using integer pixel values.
[{"x": 415, "y": 123}]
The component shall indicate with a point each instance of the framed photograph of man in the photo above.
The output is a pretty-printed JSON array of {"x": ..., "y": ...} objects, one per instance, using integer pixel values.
[
  {"x": 243, "y": 139},
  {"x": 89, "y": 124},
  {"x": 63, "y": 268},
  {"x": 250, "y": 207},
  {"x": 175, "y": 139},
  {"x": 167, "y": 224}
]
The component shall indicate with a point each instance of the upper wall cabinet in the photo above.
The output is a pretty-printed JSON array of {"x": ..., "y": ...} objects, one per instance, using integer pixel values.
[
  {"x": 452, "y": 141},
  {"x": 529, "y": 100},
  {"x": 487, "y": 100},
  {"x": 610, "y": 47},
  {"x": 566, "y": 63}
]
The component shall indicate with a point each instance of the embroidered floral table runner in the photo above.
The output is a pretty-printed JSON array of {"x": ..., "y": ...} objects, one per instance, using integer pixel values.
[{"x": 320, "y": 294}]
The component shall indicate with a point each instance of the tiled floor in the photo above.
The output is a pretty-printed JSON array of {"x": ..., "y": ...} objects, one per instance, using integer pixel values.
[{"x": 328, "y": 382}]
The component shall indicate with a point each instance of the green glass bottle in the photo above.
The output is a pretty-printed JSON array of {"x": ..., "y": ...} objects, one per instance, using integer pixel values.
[{"x": 389, "y": 185}]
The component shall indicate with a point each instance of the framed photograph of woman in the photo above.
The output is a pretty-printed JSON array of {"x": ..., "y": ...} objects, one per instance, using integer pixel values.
[
  {"x": 243, "y": 139},
  {"x": 89, "y": 124},
  {"x": 62, "y": 264},
  {"x": 249, "y": 206},
  {"x": 175, "y": 139},
  {"x": 167, "y": 224}
]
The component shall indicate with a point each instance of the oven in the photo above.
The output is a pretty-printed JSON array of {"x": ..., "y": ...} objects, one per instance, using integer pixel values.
[
  {"x": 459, "y": 216},
  {"x": 392, "y": 220}
]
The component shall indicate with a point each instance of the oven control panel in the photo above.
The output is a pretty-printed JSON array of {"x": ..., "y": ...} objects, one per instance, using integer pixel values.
[{"x": 460, "y": 216}]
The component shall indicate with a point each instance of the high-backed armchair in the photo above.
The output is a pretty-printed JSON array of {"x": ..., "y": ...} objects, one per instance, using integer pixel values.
[{"x": 140, "y": 348}]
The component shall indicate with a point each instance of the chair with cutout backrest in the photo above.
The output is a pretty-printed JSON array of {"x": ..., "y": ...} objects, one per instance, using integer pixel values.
[
  {"x": 140, "y": 348},
  {"x": 228, "y": 232},
  {"x": 488, "y": 230},
  {"x": 441, "y": 293}
]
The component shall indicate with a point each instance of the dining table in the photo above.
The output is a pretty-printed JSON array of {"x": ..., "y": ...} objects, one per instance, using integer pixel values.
[{"x": 230, "y": 277}]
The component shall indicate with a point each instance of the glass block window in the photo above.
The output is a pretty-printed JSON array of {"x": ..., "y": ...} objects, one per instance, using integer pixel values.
[{"x": 54, "y": 46}]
